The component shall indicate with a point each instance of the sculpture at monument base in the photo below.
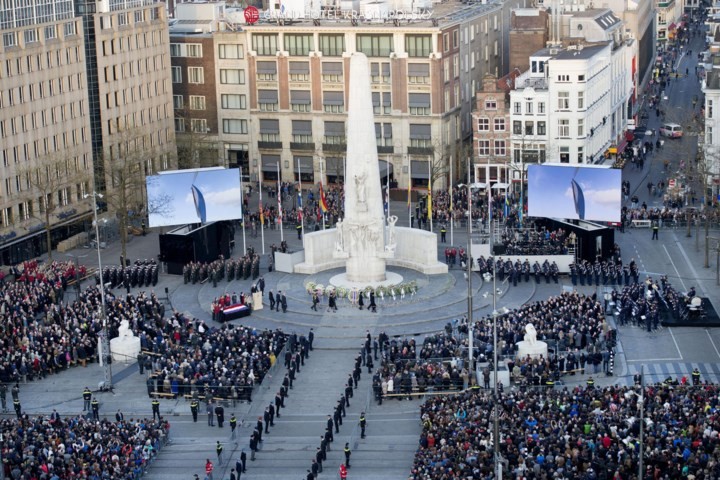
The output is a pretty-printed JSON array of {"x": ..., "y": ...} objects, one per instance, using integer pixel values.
[
  {"x": 126, "y": 345},
  {"x": 530, "y": 346}
]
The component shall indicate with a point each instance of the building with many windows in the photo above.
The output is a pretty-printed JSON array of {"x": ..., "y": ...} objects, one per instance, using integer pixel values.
[
  {"x": 73, "y": 74},
  {"x": 424, "y": 75}
]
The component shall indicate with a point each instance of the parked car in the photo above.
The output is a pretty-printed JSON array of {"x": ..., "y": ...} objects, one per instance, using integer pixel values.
[{"x": 671, "y": 130}]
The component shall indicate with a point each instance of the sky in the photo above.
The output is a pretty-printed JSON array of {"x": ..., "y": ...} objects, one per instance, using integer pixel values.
[
  {"x": 220, "y": 188},
  {"x": 550, "y": 192}
]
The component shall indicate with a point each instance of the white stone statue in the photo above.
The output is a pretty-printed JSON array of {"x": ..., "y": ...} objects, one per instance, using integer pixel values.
[
  {"x": 124, "y": 330},
  {"x": 392, "y": 220},
  {"x": 530, "y": 334},
  {"x": 360, "y": 187},
  {"x": 339, "y": 244}
]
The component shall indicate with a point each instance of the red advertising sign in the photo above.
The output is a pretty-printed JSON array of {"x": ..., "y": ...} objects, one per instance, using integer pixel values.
[{"x": 251, "y": 15}]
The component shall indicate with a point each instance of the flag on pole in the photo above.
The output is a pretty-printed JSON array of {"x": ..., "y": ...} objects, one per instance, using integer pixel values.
[
  {"x": 507, "y": 205},
  {"x": 409, "y": 188},
  {"x": 323, "y": 201},
  {"x": 489, "y": 192},
  {"x": 387, "y": 202},
  {"x": 262, "y": 216},
  {"x": 429, "y": 203}
]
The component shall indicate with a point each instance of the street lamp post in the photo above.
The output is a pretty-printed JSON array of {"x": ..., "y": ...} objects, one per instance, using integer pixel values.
[
  {"x": 105, "y": 357},
  {"x": 471, "y": 347}
]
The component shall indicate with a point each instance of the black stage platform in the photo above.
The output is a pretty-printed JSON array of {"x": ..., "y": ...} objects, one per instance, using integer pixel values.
[{"x": 706, "y": 316}]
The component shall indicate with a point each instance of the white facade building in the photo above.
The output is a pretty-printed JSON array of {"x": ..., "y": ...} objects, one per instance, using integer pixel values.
[{"x": 711, "y": 145}]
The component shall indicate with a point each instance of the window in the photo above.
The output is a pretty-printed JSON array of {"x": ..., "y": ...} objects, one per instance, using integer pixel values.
[
  {"x": 267, "y": 71},
  {"x": 380, "y": 72},
  {"x": 265, "y": 44},
  {"x": 517, "y": 108},
  {"x": 231, "y": 125},
  {"x": 541, "y": 128},
  {"x": 179, "y": 125},
  {"x": 483, "y": 124},
  {"x": 69, "y": 29},
  {"x": 332, "y": 72},
  {"x": 709, "y": 108},
  {"x": 139, "y": 16},
  {"x": 178, "y": 102},
  {"x": 383, "y": 134},
  {"x": 299, "y": 71},
  {"x": 581, "y": 101},
  {"x": 233, "y": 101},
  {"x": 176, "y": 74},
  {"x": 581, "y": 78},
  {"x": 197, "y": 102},
  {"x": 490, "y": 104},
  {"x": 269, "y": 130},
  {"x": 419, "y": 103},
  {"x": 230, "y": 51},
  {"x": 375, "y": 45},
  {"x": 332, "y": 45},
  {"x": 232, "y": 76},
  {"x": 581, "y": 128},
  {"x": 196, "y": 75},
  {"x": 499, "y": 148},
  {"x": 302, "y": 131},
  {"x": 50, "y": 32},
  {"x": 268, "y": 100},
  {"x": 708, "y": 135},
  {"x": 63, "y": 195},
  {"x": 499, "y": 124},
  {"x": 300, "y": 100},
  {"x": 175, "y": 50},
  {"x": 9, "y": 39},
  {"x": 563, "y": 127},
  {"x": 517, "y": 127},
  {"x": 193, "y": 50},
  {"x": 122, "y": 19},
  {"x": 298, "y": 45},
  {"x": 333, "y": 102},
  {"x": 541, "y": 107},
  {"x": 418, "y": 45},
  {"x": 420, "y": 136},
  {"x": 563, "y": 78},
  {"x": 484, "y": 148},
  {"x": 384, "y": 108},
  {"x": 24, "y": 210},
  {"x": 199, "y": 125},
  {"x": 7, "y": 217},
  {"x": 334, "y": 133},
  {"x": 563, "y": 100},
  {"x": 529, "y": 128},
  {"x": 580, "y": 155},
  {"x": 529, "y": 108},
  {"x": 418, "y": 73}
]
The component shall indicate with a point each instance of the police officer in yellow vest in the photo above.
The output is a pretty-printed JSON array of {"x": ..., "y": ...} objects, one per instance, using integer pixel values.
[
  {"x": 590, "y": 382},
  {"x": 299, "y": 231},
  {"x": 443, "y": 231},
  {"x": 696, "y": 376},
  {"x": 156, "y": 408},
  {"x": 87, "y": 396}
]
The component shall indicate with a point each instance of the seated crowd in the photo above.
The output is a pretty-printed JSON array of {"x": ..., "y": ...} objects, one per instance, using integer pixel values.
[
  {"x": 530, "y": 241},
  {"x": 583, "y": 433},
  {"x": 55, "y": 448}
]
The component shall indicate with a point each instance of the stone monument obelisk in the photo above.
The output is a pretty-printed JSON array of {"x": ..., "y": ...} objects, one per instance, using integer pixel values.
[{"x": 361, "y": 236}]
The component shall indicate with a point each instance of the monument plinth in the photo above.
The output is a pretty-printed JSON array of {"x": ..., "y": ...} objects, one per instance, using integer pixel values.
[{"x": 530, "y": 346}]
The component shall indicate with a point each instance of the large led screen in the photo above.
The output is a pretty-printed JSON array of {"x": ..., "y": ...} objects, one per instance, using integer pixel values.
[
  {"x": 194, "y": 196},
  {"x": 576, "y": 193}
]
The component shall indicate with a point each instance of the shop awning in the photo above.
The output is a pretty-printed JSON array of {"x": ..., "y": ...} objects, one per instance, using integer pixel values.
[{"x": 386, "y": 168}]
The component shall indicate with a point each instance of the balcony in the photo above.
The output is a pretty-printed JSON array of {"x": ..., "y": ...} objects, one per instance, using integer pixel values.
[
  {"x": 334, "y": 147},
  {"x": 420, "y": 150},
  {"x": 389, "y": 149},
  {"x": 302, "y": 146},
  {"x": 270, "y": 145}
]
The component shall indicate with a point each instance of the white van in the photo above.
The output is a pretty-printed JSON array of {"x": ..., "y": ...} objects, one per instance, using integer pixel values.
[{"x": 671, "y": 130}]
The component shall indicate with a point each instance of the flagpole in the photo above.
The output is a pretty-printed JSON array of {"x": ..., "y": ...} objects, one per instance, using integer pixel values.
[
  {"x": 262, "y": 214},
  {"x": 429, "y": 211},
  {"x": 387, "y": 186},
  {"x": 452, "y": 219},
  {"x": 302, "y": 214},
  {"x": 409, "y": 194},
  {"x": 242, "y": 203},
  {"x": 322, "y": 182},
  {"x": 279, "y": 196}
]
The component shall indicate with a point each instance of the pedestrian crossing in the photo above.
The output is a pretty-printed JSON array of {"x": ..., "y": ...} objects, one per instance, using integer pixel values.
[{"x": 658, "y": 372}]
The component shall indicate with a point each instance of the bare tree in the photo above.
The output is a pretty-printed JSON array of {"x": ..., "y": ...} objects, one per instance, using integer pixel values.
[
  {"x": 126, "y": 163},
  {"x": 195, "y": 149},
  {"x": 51, "y": 179}
]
